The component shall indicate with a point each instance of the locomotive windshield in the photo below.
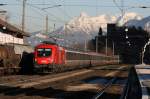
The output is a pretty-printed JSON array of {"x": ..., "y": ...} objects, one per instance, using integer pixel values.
[{"x": 44, "y": 52}]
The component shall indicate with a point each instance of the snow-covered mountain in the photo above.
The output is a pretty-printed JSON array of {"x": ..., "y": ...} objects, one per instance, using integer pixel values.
[
  {"x": 144, "y": 23},
  {"x": 122, "y": 20},
  {"x": 80, "y": 29}
]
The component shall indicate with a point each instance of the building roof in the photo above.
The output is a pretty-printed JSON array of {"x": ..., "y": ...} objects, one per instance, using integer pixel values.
[{"x": 11, "y": 28}]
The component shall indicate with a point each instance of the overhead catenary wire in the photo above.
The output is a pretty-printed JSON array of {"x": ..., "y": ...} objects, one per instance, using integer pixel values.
[
  {"x": 28, "y": 28},
  {"x": 75, "y": 5},
  {"x": 116, "y": 4},
  {"x": 45, "y": 11},
  {"x": 40, "y": 13},
  {"x": 39, "y": 17},
  {"x": 59, "y": 7},
  {"x": 96, "y": 7},
  {"x": 65, "y": 12},
  {"x": 58, "y": 19},
  {"x": 121, "y": 8},
  {"x": 40, "y": 9}
]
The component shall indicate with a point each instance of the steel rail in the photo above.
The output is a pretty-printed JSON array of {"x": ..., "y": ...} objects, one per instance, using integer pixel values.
[{"x": 101, "y": 92}]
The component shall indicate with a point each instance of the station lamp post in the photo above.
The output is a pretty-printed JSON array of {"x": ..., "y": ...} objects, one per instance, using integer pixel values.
[
  {"x": 128, "y": 42},
  {"x": 126, "y": 30}
]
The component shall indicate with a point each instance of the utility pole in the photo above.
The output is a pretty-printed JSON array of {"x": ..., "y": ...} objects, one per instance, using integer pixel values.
[
  {"x": 97, "y": 44},
  {"x": 23, "y": 15},
  {"x": 85, "y": 45},
  {"x": 106, "y": 47},
  {"x": 46, "y": 25},
  {"x": 54, "y": 27},
  {"x": 113, "y": 48},
  {"x": 122, "y": 8}
]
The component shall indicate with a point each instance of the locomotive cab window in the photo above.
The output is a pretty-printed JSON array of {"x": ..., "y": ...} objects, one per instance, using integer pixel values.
[{"x": 44, "y": 52}]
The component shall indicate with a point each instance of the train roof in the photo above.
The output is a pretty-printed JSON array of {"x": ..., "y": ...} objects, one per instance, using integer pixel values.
[
  {"x": 49, "y": 42},
  {"x": 72, "y": 51},
  {"x": 88, "y": 53}
]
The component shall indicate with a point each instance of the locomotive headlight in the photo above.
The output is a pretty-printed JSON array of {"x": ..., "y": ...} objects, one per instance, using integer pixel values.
[{"x": 50, "y": 60}]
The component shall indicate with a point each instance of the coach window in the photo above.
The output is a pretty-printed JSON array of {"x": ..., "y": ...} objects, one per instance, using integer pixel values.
[
  {"x": 83, "y": 56},
  {"x": 76, "y": 56},
  {"x": 99, "y": 57},
  {"x": 69, "y": 56},
  {"x": 79, "y": 56},
  {"x": 73, "y": 56},
  {"x": 86, "y": 57}
]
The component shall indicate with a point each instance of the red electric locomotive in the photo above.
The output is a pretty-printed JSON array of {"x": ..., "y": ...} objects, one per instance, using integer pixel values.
[{"x": 51, "y": 57}]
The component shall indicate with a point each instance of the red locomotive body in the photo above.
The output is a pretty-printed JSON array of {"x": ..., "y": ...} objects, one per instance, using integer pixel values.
[{"x": 47, "y": 55}]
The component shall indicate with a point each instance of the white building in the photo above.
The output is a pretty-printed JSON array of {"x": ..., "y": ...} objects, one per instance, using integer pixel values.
[{"x": 11, "y": 34}]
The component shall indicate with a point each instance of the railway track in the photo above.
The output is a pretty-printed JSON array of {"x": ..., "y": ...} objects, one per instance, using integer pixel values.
[
  {"x": 75, "y": 84},
  {"x": 101, "y": 92},
  {"x": 4, "y": 80}
]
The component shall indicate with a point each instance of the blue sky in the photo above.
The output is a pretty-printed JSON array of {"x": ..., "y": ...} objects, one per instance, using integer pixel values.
[{"x": 35, "y": 18}]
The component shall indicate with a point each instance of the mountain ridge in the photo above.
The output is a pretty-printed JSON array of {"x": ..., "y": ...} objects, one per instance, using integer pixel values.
[{"x": 83, "y": 28}]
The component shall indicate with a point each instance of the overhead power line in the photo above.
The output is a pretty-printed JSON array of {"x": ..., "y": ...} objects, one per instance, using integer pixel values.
[
  {"x": 40, "y": 9},
  {"x": 51, "y": 7},
  {"x": 45, "y": 12},
  {"x": 2, "y": 4},
  {"x": 72, "y": 5}
]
